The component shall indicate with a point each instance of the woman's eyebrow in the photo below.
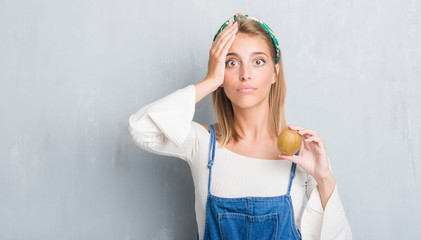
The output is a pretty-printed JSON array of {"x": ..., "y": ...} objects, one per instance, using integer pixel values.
[{"x": 253, "y": 53}]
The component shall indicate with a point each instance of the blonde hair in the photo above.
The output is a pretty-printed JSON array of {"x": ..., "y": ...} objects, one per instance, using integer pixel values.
[{"x": 223, "y": 107}]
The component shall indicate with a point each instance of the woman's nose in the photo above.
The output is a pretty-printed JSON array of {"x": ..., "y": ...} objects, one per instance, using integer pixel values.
[{"x": 244, "y": 73}]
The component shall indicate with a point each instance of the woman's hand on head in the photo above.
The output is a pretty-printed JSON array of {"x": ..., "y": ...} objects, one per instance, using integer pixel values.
[{"x": 218, "y": 53}]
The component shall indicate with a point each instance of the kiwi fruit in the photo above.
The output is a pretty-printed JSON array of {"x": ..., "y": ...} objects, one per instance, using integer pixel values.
[{"x": 289, "y": 142}]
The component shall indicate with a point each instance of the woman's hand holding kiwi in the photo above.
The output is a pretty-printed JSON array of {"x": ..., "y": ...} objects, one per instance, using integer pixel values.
[
  {"x": 312, "y": 157},
  {"x": 218, "y": 53}
]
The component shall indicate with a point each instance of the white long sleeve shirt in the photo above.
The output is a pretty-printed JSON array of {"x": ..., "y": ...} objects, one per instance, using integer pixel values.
[{"x": 165, "y": 127}]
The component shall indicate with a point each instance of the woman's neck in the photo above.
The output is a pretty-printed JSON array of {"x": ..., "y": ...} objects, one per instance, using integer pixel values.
[{"x": 252, "y": 124}]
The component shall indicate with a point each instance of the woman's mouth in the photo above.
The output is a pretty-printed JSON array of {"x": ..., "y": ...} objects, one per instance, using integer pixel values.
[{"x": 246, "y": 90}]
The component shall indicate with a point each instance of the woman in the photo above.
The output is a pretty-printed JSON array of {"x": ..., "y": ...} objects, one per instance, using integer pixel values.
[{"x": 244, "y": 189}]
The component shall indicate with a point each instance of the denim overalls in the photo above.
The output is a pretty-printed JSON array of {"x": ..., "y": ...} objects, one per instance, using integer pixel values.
[{"x": 249, "y": 218}]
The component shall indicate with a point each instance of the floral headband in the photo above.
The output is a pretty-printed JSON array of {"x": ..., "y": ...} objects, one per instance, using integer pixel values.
[{"x": 266, "y": 27}]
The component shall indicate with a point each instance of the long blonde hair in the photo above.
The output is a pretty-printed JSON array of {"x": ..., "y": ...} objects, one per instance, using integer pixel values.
[{"x": 223, "y": 106}]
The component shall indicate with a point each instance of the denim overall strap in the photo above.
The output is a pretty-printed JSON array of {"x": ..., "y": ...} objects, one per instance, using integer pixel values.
[
  {"x": 292, "y": 176},
  {"x": 293, "y": 166},
  {"x": 211, "y": 153}
]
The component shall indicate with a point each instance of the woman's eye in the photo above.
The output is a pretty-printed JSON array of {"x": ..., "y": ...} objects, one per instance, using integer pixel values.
[
  {"x": 227, "y": 63},
  {"x": 261, "y": 60}
]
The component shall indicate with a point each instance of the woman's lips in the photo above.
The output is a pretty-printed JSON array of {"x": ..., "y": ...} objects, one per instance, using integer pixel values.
[{"x": 246, "y": 90}]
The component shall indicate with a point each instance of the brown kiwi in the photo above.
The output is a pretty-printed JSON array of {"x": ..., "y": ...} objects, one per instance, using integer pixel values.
[{"x": 289, "y": 141}]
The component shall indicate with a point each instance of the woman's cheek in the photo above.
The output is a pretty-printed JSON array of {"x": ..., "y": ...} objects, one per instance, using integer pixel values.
[{"x": 229, "y": 74}]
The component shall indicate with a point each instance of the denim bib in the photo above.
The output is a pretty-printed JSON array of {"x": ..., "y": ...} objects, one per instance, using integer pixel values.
[{"x": 248, "y": 218}]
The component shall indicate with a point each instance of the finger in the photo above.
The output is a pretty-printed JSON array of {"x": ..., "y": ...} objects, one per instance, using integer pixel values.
[
  {"x": 223, "y": 41},
  {"x": 224, "y": 50},
  {"x": 224, "y": 45},
  {"x": 307, "y": 132},
  {"x": 221, "y": 34},
  {"x": 304, "y": 130},
  {"x": 216, "y": 40},
  {"x": 296, "y": 127},
  {"x": 317, "y": 140},
  {"x": 293, "y": 158},
  {"x": 310, "y": 131},
  {"x": 224, "y": 32},
  {"x": 303, "y": 133}
]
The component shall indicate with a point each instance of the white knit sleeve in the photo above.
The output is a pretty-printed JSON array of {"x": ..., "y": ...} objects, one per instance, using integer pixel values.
[
  {"x": 330, "y": 224},
  {"x": 164, "y": 126}
]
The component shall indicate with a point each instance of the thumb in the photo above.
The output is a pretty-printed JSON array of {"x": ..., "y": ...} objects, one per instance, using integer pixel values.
[
  {"x": 296, "y": 158},
  {"x": 292, "y": 158}
]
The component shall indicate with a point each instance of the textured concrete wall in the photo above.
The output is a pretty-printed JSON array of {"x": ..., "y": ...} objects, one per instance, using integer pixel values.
[{"x": 72, "y": 72}]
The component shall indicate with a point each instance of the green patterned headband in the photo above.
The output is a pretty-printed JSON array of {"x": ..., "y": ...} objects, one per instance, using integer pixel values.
[{"x": 266, "y": 27}]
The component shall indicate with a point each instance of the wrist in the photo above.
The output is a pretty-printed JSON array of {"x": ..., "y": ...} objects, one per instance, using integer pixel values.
[
  {"x": 325, "y": 178},
  {"x": 326, "y": 186},
  {"x": 213, "y": 81},
  {"x": 204, "y": 88}
]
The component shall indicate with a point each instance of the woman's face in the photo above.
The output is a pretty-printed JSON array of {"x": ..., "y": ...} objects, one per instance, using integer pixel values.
[{"x": 248, "y": 63}]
